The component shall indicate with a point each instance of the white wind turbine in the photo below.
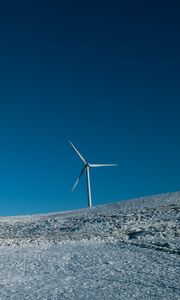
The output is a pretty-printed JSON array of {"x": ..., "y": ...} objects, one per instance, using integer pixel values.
[{"x": 86, "y": 168}]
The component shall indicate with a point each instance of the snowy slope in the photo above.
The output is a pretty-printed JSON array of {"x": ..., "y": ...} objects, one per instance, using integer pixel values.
[{"x": 128, "y": 250}]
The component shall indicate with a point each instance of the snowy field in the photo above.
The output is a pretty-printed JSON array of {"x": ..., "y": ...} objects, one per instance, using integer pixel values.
[{"x": 128, "y": 250}]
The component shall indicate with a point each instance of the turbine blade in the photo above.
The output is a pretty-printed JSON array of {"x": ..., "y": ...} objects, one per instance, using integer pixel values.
[
  {"x": 81, "y": 173},
  {"x": 102, "y": 165},
  {"x": 79, "y": 154}
]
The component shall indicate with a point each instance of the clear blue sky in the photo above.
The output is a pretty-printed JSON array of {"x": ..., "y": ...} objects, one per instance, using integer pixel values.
[{"x": 104, "y": 74}]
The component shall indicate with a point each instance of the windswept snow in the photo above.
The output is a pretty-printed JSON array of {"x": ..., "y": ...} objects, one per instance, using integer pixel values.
[{"x": 128, "y": 250}]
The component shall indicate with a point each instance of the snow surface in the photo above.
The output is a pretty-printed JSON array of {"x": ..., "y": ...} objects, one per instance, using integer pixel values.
[{"x": 128, "y": 250}]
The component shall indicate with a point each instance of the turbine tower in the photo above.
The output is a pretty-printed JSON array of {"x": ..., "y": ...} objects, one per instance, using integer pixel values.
[{"x": 86, "y": 168}]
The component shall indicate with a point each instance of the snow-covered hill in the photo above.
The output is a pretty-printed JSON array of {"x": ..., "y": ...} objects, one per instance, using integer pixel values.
[{"x": 128, "y": 250}]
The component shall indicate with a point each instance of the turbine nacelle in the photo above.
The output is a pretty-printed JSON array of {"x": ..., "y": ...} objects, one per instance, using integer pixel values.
[{"x": 86, "y": 168}]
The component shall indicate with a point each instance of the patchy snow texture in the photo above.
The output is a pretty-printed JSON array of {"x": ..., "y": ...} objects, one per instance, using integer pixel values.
[{"x": 128, "y": 250}]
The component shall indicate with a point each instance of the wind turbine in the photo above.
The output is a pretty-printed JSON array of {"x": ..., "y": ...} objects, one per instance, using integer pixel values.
[{"x": 86, "y": 168}]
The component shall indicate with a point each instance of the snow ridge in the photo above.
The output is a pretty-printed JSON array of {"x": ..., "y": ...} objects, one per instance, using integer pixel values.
[{"x": 127, "y": 250}]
